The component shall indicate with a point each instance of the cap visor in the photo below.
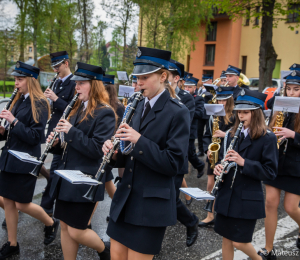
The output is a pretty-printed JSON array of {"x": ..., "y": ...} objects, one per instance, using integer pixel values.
[
  {"x": 245, "y": 107},
  {"x": 144, "y": 69},
  {"x": 223, "y": 97},
  {"x": 288, "y": 82},
  {"x": 14, "y": 73},
  {"x": 231, "y": 73},
  {"x": 79, "y": 78},
  {"x": 189, "y": 83},
  {"x": 53, "y": 64}
]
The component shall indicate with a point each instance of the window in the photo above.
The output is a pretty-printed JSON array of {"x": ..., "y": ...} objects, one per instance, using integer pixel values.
[
  {"x": 212, "y": 32},
  {"x": 29, "y": 58},
  {"x": 210, "y": 54},
  {"x": 247, "y": 21},
  {"x": 30, "y": 49},
  {"x": 12, "y": 48},
  {"x": 244, "y": 64},
  {"x": 12, "y": 58},
  {"x": 293, "y": 16},
  {"x": 257, "y": 10},
  {"x": 209, "y": 72}
]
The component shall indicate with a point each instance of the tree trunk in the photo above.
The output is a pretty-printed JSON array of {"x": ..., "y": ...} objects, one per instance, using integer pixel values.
[
  {"x": 35, "y": 29},
  {"x": 85, "y": 32},
  {"x": 170, "y": 29},
  {"x": 23, "y": 10},
  {"x": 267, "y": 53}
]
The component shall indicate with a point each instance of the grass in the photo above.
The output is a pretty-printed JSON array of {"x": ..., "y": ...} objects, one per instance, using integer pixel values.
[
  {"x": 7, "y": 95},
  {"x": 7, "y": 83}
]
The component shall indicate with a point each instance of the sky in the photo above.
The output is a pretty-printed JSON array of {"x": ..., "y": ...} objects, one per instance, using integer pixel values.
[{"x": 11, "y": 10}]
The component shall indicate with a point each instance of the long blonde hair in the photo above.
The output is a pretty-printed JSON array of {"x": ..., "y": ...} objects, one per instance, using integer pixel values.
[{"x": 36, "y": 96}]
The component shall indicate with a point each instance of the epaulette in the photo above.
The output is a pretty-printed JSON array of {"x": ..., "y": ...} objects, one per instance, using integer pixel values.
[{"x": 176, "y": 101}]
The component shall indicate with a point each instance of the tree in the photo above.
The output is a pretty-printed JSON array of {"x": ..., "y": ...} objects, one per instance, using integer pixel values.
[
  {"x": 124, "y": 14},
  {"x": 116, "y": 49},
  {"x": 130, "y": 55},
  {"x": 271, "y": 12}
]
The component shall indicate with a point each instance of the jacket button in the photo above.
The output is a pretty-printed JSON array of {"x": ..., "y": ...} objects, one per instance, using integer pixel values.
[
  {"x": 64, "y": 162},
  {"x": 129, "y": 186},
  {"x": 63, "y": 96},
  {"x": 70, "y": 141},
  {"x": 130, "y": 170},
  {"x": 53, "y": 113},
  {"x": 7, "y": 147},
  {"x": 140, "y": 152},
  {"x": 131, "y": 158}
]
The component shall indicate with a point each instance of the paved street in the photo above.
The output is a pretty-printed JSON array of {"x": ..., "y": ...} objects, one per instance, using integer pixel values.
[{"x": 207, "y": 247}]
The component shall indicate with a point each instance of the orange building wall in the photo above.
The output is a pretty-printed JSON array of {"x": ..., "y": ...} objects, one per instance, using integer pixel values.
[{"x": 227, "y": 50}]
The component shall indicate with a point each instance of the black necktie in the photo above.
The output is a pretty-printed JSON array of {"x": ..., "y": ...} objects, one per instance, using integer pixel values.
[
  {"x": 79, "y": 114},
  {"x": 147, "y": 110},
  {"x": 17, "y": 104},
  {"x": 242, "y": 137},
  {"x": 58, "y": 83}
]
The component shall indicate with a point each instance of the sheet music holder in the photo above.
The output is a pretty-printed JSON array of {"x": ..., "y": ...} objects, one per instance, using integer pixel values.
[
  {"x": 125, "y": 91},
  {"x": 215, "y": 109},
  {"x": 122, "y": 75},
  {"x": 24, "y": 157},
  {"x": 268, "y": 112},
  {"x": 76, "y": 177},
  {"x": 287, "y": 104},
  {"x": 197, "y": 193}
]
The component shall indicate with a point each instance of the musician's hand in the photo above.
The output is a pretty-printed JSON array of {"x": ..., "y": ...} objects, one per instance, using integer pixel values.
[
  {"x": 63, "y": 126},
  {"x": 50, "y": 137},
  {"x": 127, "y": 133},
  {"x": 219, "y": 133},
  {"x": 233, "y": 156},
  {"x": 284, "y": 133},
  {"x": 218, "y": 169},
  {"x": 107, "y": 146},
  {"x": 7, "y": 115},
  {"x": 2, "y": 130},
  {"x": 50, "y": 94}
]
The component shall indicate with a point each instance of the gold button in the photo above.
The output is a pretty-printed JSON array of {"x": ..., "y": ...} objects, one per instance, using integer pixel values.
[
  {"x": 140, "y": 152},
  {"x": 131, "y": 158},
  {"x": 130, "y": 170},
  {"x": 129, "y": 186}
]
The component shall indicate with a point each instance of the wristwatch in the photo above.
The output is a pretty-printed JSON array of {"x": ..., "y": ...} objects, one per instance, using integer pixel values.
[{"x": 15, "y": 120}]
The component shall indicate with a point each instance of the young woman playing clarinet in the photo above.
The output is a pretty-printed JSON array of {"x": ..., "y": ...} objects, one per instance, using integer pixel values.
[
  {"x": 240, "y": 199},
  {"x": 23, "y": 132},
  {"x": 288, "y": 178},
  {"x": 145, "y": 202},
  {"x": 224, "y": 97},
  {"x": 91, "y": 122}
]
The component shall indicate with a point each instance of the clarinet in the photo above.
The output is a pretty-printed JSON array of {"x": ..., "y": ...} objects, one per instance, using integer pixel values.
[
  {"x": 226, "y": 167},
  {"x": 49, "y": 145},
  {"x": 91, "y": 193},
  {"x": 8, "y": 104},
  {"x": 51, "y": 85}
]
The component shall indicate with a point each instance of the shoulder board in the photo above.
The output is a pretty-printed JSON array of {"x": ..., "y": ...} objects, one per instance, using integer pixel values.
[
  {"x": 185, "y": 92},
  {"x": 269, "y": 132},
  {"x": 176, "y": 101}
]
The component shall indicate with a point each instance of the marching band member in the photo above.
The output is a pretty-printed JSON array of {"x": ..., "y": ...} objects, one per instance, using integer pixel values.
[
  {"x": 60, "y": 96},
  {"x": 145, "y": 201},
  {"x": 232, "y": 76},
  {"x": 224, "y": 96},
  {"x": 187, "y": 218},
  {"x": 25, "y": 133},
  {"x": 91, "y": 122},
  {"x": 223, "y": 78},
  {"x": 288, "y": 178},
  {"x": 136, "y": 89},
  {"x": 190, "y": 86},
  {"x": 240, "y": 200}
]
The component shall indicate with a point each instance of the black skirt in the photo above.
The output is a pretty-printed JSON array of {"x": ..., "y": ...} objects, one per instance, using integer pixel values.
[
  {"x": 235, "y": 229},
  {"x": 144, "y": 240},
  {"x": 74, "y": 214},
  {"x": 289, "y": 184},
  {"x": 209, "y": 170},
  {"x": 17, "y": 187}
]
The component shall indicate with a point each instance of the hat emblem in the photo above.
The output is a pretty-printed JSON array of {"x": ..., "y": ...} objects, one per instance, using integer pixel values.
[
  {"x": 220, "y": 89},
  {"x": 294, "y": 66},
  {"x": 243, "y": 93},
  {"x": 294, "y": 73},
  {"x": 139, "y": 53},
  {"x": 76, "y": 67},
  {"x": 18, "y": 65}
]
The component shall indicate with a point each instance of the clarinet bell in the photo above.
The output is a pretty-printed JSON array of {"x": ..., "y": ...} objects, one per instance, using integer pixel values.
[
  {"x": 91, "y": 193},
  {"x": 36, "y": 171},
  {"x": 209, "y": 205}
]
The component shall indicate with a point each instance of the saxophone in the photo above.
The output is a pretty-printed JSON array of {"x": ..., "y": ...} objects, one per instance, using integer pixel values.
[{"x": 214, "y": 147}]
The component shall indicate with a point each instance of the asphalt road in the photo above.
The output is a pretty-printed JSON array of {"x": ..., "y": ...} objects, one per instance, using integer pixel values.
[{"x": 207, "y": 246}]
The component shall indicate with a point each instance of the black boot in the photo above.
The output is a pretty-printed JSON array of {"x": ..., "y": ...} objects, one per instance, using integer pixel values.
[
  {"x": 265, "y": 254},
  {"x": 50, "y": 232},
  {"x": 7, "y": 250},
  {"x": 200, "y": 172},
  {"x": 105, "y": 254},
  {"x": 191, "y": 235}
]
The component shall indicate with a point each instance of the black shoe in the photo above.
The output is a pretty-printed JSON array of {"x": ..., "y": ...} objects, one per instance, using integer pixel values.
[
  {"x": 265, "y": 254},
  {"x": 200, "y": 172},
  {"x": 49, "y": 211},
  {"x": 298, "y": 241},
  {"x": 191, "y": 235},
  {"x": 50, "y": 232},
  {"x": 7, "y": 250},
  {"x": 201, "y": 153},
  {"x": 89, "y": 226},
  {"x": 105, "y": 254},
  {"x": 206, "y": 224},
  {"x": 189, "y": 202},
  {"x": 107, "y": 218},
  {"x": 4, "y": 223}
]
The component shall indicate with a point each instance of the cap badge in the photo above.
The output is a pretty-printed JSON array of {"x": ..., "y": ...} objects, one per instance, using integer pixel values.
[
  {"x": 76, "y": 67},
  {"x": 139, "y": 53},
  {"x": 220, "y": 89},
  {"x": 243, "y": 93},
  {"x": 294, "y": 66},
  {"x": 294, "y": 73},
  {"x": 18, "y": 65}
]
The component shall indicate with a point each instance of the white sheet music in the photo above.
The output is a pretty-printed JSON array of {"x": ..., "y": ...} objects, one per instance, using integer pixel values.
[
  {"x": 197, "y": 193},
  {"x": 125, "y": 90},
  {"x": 267, "y": 112},
  {"x": 24, "y": 157},
  {"x": 287, "y": 104},
  {"x": 122, "y": 75},
  {"x": 76, "y": 177},
  {"x": 215, "y": 109}
]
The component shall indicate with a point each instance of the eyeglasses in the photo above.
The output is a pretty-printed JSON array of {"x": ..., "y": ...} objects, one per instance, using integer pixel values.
[{"x": 57, "y": 66}]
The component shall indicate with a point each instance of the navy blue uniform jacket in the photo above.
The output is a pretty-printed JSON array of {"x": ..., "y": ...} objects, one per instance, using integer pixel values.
[
  {"x": 65, "y": 93},
  {"x": 245, "y": 199},
  {"x": 26, "y": 136},
  {"x": 83, "y": 153},
  {"x": 147, "y": 191},
  {"x": 199, "y": 112}
]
